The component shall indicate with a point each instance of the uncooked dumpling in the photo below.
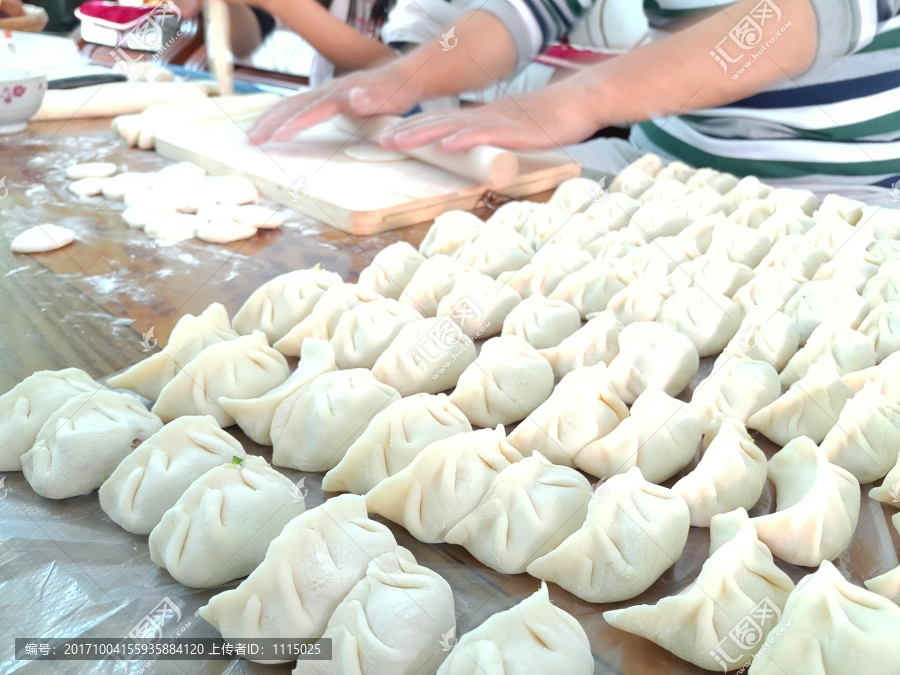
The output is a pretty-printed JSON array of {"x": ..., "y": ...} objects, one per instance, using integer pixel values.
[
  {"x": 661, "y": 256},
  {"x": 431, "y": 282},
  {"x": 634, "y": 531},
  {"x": 660, "y": 437},
  {"x": 819, "y": 301},
  {"x": 632, "y": 181},
  {"x": 848, "y": 349},
  {"x": 150, "y": 480},
  {"x": 394, "y": 620},
  {"x": 494, "y": 250},
  {"x": 752, "y": 213},
  {"x": 542, "y": 322},
  {"x": 796, "y": 254},
  {"x": 709, "y": 321},
  {"x": 702, "y": 202},
  {"x": 443, "y": 483},
  {"x": 882, "y": 327},
  {"x": 737, "y": 387},
  {"x": 664, "y": 190},
  {"x": 739, "y": 244},
  {"x": 190, "y": 336},
  {"x": 659, "y": 219},
  {"x": 280, "y": 304},
  {"x": 308, "y": 569},
  {"x": 886, "y": 373},
  {"x": 817, "y": 506},
  {"x": 731, "y": 474},
  {"x": 313, "y": 428},
  {"x": 590, "y": 289},
  {"x": 479, "y": 305},
  {"x": 364, "y": 332},
  {"x": 82, "y": 442},
  {"x": 710, "y": 623},
  {"x": 391, "y": 270},
  {"x": 884, "y": 286},
  {"x": 536, "y": 222},
  {"x": 748, "y": 187},
  {"x": 677, "y": 170},
  {"x": 832, "y": 627},
  {"x": 810, "y": 407},
  {"x": 41, "y": 238},
  {"x": 790, "y": 198},
  {"x": 613, "y": 211},
  {"x": 532, "y": 637},
  {"x": 448, "y": 232},
  {"x": 254, "y": 415},
  {"x": 641, "y": 299},
  {"x": 616, "y": 244},
  {"x": 785, "y": 221},
  {"x": 392, "y": 440},
  {"x": 770, "y": 288},
  {"x": 246, "y": 366},
  {"x": 849, "y": 210},
  {"x": 713, "y": 274},
  {"x": 29, "y": 404},
  {"x": 579, "y": 231},
  {"x": 505, "y": 384},
  {"x": 529, "y": 509},
  {"x": 887, "y": 585},
  {"x": 574, "y": 194},
  {"x": 595, "y": 342},
  {"x": 545, "y": 269},
  {"x": 889, "y": 490},
  {"x": 831, "y": 234},
  {"x": 767, "y": 335},
  {"x": 719, "y": 181}
]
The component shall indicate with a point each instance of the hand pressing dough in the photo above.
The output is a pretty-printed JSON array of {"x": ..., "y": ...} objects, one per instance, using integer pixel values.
[
  {"x": 541, "y": 322},
  {"x": 81, "y": 444},
  {"x": 479, "y": 305},
  {"x": 42, "y": 238},
  {"x": 220, "y": 528},
  {"x": 87, "y": 187},
  {"x": 369, "y": 152},
  {"x": 224, "y": 231},
  {"x": 391, "y": 270},
  {"x": 847, "y": 349},
  {"x": 91, "y": 170},
  {"x": 595, "y": 342},
  {"x": 149, "y": 481}
]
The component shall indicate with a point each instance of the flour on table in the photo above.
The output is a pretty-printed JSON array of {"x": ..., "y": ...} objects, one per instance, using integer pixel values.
[{"x": 42, "y": 238}]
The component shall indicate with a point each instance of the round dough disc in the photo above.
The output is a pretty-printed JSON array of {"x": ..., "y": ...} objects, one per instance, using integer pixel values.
[
  {"x": 136, "y": 217},
  {"x": 369, "y": 152},
  {"x": 224, "y": 231},
  {"x": 117, "y": 186},
  {"x": 88, "y": 187},
  {"x": 258, "y": 216},
  {"x": 182, "y": 171},
  {"x": 91, "y": 170},
  {"x": 42, "y": 238},
  {"x": 228, "y": 190},
  {"x": 173, "y": 226}
]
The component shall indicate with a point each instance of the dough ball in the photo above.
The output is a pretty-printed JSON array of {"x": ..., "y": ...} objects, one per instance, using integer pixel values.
[
  {"x": 87, "y": 187},
  {"x": 224, "y": 231},
  {"x": 91, "y": 170},
  {"x": 42, "y": 238},
  {"x": 369, "y": 152},
  {"x": 257, "y": 216}
]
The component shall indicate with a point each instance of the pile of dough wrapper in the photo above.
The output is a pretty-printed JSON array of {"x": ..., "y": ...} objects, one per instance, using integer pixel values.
[{"x": 594, "y": 311}]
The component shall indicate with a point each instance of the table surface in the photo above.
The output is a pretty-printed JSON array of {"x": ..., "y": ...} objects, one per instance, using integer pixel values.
[{"x": 65, "y": 568}]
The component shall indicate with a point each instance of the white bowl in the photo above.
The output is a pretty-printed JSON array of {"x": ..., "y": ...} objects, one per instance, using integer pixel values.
[{"x": 21, "y": 94}]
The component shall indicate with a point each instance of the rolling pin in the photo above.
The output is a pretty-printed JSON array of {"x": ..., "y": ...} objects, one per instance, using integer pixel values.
[
  {"x": 483, "y": 163},
  {"x": 218, "y": 44}
]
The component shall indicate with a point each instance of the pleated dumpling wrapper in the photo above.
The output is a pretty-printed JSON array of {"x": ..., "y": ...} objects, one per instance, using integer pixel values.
[
  {"x": 531, "y": 637},
  {"x": 505, "y": 384},
  {"x": 364, "y": 332},
  {"x": 889, "y": 490},
  {"x": 494, "y": 250},
  {"x": 833, "y": 627},
  {"x": 660, "y": 437},
  {"x": 394, "y": 621},
  {"x": 29, "y": 404},
  {"x": 149, "y": 481},
  {"x": 737, "y": 387},
  {"x": 882, "y": 326},
  {"x": 886, "y": 373},
  {"x": 634, "y": 532},
  {"x": 613, "y": 210},
  {"x": 479, "y": 305},
  {"x": 244, "y": 367},
  {"x": 545, "y": 269},
  {"x": 849, "y": 349},
  {"x": 583, "y": 408},
  {"x": 709, "y": 321},
  {"x": 448, "y": 233},
  {"x": 324, "y": 317},
  {"x": 830, "y": 300},
  {"x": 190, "y": 336},
  {"x": 739, "y": 586},
  {"x": 255, "y": 415},
  {"x": 574, "y": 194},
  {"x": 280, "y": 304},
  {"x": 529, "y": 509},
  {"x": 393, "y": 439},
  {"x": 817, "y": 506},
  {"x": 81, "y": 444},
  {"x": 595, "y": 342},
  {"x": 313, "y": 428},
  {"x": 308, "y": 569},
  {"x": 443, "y": 484},
  {"x": 431, "y": 282},
  {"x": 731, "y": 474},
  {"x": 888, "y": 584},
  {"x": 767, "y": 335},
  {"x": 810, "y": 407},
  {"x": 220, "y": 528},
  {"x": 390, "y": 270},
  {"x": 590, "y": 289},
  {"x": 541, "y": 322}
]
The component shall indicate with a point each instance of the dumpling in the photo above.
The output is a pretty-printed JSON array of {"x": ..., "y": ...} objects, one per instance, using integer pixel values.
[
  {"x": 664, "y": 190},
  {"x": 659, "y": 219},
  {"x": 866, "y": 438},
  {"x": 702, "y": 202},
  {"x": 244, "y": 367},
  {"x": 817, "y": 505},
  {"x": 767, "y": 335},
  {"x": 149, "y": 481},
  {"x": 541, "y": 322},
  {"x": 618, "y": 243},
  {"x": 661, "y": 256},
  {"x": 830, "y": 234},
  {"x": 531, "y": 637},
  {"x": 29, "y": 404},
  {"x": 505, "y": 384},
  {"x": 836, "y": 206},
  {"x": 731, "y": 474},
  {"x": 832, "y": 627},
  {"x": 652, "y": 355},
  {"x": 479, "y": 305},
  {"x": 677, "y": 170},
  {"x": 889, "y": 490},
  {"x": 748, "y": 187},
  {"x": 432, "y": 281},
  {"x": 709, "y": 321},
  {"x": 887, "y": 585},
  {"x": 737, "y": 387},
  {"x": 796, "y": 254},
  {"x": 721, "y": 620},
  {"x": 848, "y": 349},
  {"x": 649, "y": 163},
  {"x": 632, "y": 181},
  {"x": 882, "y": 327},
  {"x": 660, "y": 437},
  {"x": 392, "y": 440},
  {"x": 819, "y": 301},
  {"x": 751, "y": 213},
  {"x": 739, "y": 244},
  {"x": 884, "y": 286},
  {"x": 785, "y": 221},
  {"x": 391, "y": 269},
  {"x": 529, "y": 509},
  {"x": 810, "y": 407},
  {"x": 254, "y": 415},
  {"x": 280, "y": 304},
  {"x": 449, "y": 231},
  {"x": 82, "y": 442},
  {"x": 613, "y": 211},
  {"x": 719, "y": 181},
  {"x": 443, "y": 483},
  {"x": 713, "y": 274},
  {"x": 545, "y": 270},
  {"x": 582, "y": 409},
  {"x": 641, "y": 299},
  {"x": 307, "y": 570},
  {"x": 595, "y": 342},
  {"x": 886, "y": 373},
  {"x": 574, "y": 194},
  {"x": 220, "y": 527},
  {"x": 882, "y": 223},
  {"x": 540, "y": 224},
  {"x": 580, "y": 231},
  {"x": 190, "y": 336},
  {"x": 701, "y": 230},
  {"x": 769, "y": 288},
  {"x": 393, "y": 621},
  {"x": 881, "y": 251},
  {"x": 793, "y": 198},
  {"x": 313, "y": 428},
  {"x": 590, "y": 289},
  {"x": 427, "y": 356},
  {"x": 324, "y": 318},
  {"x": 634, "y": 531},
  {"x": 494, "y": 250},
  {"x": 363, "y": 333}
]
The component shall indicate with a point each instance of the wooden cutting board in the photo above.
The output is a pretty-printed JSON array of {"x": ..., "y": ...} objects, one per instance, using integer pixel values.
[{"x": 312, "y": 175}]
